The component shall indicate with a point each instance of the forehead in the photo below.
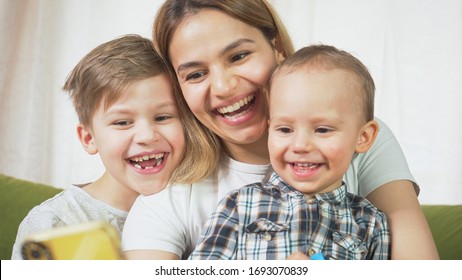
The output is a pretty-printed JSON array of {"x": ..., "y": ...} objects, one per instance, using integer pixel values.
[
  {"x": 207, "y": 29},
  {"x": 315, "y": 88},
  {"x": 314, "y": 77},
  {"x": 213, "y": 19},
  {"x": 155, "y": 89}
]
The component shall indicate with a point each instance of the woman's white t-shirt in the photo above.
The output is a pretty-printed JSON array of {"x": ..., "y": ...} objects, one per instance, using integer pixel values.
[{"x": 172, "y": 219}]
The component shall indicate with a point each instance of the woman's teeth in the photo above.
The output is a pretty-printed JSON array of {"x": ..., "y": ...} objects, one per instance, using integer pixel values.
[{"x": 236, "y": 106}]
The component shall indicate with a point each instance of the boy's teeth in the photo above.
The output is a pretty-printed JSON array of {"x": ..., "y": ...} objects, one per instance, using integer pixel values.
[
  {"x": 146, "y": 157},
  {"x": 158, "y": 162},
  {"x": 307, "y": 165}
]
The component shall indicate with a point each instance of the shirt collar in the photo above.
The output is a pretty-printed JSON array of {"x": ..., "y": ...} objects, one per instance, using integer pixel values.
[{"x": 336, "y": 196}]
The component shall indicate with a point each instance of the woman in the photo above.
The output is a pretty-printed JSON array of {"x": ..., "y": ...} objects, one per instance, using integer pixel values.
[{"x": 222, "y": 54}]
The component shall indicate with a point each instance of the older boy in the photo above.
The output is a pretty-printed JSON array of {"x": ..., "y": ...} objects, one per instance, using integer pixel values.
[{"x": 128, "y": 114}]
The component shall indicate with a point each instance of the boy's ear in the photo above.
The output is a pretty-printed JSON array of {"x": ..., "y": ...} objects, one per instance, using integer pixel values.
[
  {"x": 367, "y": 136},
  {"x": 86, "y": 139}
]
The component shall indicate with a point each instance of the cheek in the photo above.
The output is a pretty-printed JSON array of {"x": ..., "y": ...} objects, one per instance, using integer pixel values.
[
  {"x": 110, "y": 142},
  {"x": 339, "y": 152},
  {"x": 177, "y": 139},
  {"x": 276, "y": 147},
  {"x": 260, "y": 71},
  {"x": 194, "y": 96}
]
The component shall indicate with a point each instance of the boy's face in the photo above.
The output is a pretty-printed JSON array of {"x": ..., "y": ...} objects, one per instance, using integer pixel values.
[
  {"x": 140, "y": 138},
  {"x": 315, "y": 123}
]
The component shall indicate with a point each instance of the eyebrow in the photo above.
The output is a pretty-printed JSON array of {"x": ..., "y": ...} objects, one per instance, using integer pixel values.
[
  {"x": 228, "y": 48},
  {"x": 125, "y": 110}
]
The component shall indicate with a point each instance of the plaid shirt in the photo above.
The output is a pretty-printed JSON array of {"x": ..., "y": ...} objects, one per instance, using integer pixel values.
[{"x": 272, "y": 221}]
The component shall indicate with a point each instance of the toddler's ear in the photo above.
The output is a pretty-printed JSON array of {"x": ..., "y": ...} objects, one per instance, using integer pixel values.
[
  {"x": 367, "y": 136},
  {"x": 86, "y": 139}
]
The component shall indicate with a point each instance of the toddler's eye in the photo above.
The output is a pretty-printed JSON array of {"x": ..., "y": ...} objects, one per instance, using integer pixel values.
[
  {"x": 284, "y": 130},
  {"x": 322, "y": 130}
]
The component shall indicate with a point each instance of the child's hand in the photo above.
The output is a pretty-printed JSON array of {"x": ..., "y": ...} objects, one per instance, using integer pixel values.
[{"x": 298, "y": 256}]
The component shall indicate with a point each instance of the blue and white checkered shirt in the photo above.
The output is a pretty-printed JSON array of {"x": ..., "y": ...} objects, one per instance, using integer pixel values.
[{"x": 274, "y": 220}]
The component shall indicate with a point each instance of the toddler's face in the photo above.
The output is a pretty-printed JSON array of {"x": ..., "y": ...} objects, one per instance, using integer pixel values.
[
  {"x": 140, "y": 137},
  {"x": 315, "y": 122}
]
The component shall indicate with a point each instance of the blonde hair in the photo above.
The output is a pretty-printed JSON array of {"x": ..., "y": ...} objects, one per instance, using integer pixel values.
[
  {"x": 329, "y": 57},
  {"x": 106, "y": 71},
  {"x": 256, "y": 13}
]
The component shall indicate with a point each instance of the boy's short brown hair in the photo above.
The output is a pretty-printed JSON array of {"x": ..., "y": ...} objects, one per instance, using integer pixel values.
[
  {"x": 329, "y": 57},
  {"x": 104, "y": 73}
]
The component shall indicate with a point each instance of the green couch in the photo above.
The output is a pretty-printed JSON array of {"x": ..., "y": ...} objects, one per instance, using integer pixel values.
[{"x": 17, "y": 197}]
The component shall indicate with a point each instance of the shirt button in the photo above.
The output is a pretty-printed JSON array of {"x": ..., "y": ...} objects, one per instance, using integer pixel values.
[
  {"x": 267, "y": 236},
  {"x": 311, "y": 252}
]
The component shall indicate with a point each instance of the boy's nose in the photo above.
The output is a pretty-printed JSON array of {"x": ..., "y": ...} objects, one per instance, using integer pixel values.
[
  {"x": 302, "y": 143},
  {"x": 146, "y": 134}
]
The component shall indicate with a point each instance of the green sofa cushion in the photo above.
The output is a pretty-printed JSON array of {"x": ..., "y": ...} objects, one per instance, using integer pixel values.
[
  {"x": 17, "y": 198},
  {"x": 445, "y": 222}
]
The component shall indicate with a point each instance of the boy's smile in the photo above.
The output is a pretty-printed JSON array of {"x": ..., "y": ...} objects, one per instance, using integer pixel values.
[{"x": 147, "y": 161}]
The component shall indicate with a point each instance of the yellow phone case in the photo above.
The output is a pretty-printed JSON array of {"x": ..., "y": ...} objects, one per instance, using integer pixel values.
[{"x": 87, "y": 241}]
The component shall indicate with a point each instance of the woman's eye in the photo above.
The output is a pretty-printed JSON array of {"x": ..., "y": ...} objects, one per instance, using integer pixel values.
[
  {"x": 195, "y": 76},
  {"x": 239, "y": 56}
]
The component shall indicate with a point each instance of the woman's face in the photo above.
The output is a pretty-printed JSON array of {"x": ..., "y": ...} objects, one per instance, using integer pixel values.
[{"x": 223, "y": 66}]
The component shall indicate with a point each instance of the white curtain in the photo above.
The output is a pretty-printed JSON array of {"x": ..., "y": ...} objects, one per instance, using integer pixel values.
[{"x": 413, "y": 49}]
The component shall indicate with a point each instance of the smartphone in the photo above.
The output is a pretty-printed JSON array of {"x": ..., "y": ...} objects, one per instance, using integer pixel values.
[{"x": 86, "y": 241}]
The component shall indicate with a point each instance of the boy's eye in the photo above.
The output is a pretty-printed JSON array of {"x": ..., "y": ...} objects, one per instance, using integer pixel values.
[
  {"x": 322, "y": 130},
  {"x": 121, "y": 123},
  {"x": 162, "y": 118},
  {"x": 284, "y": 130}
]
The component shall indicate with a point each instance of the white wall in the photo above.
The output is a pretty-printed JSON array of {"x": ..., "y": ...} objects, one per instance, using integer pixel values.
[{"x": 413, "y": 49}]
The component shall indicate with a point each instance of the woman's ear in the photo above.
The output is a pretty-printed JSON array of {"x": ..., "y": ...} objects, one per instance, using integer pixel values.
[
  {"x": 279, "y": 52},
  {"x": 85, "y": 136},
  {"x": 367, "y": 136}
]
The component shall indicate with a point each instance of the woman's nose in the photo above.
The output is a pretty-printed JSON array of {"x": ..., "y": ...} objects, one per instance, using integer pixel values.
[{"x": 223, "y": 81}]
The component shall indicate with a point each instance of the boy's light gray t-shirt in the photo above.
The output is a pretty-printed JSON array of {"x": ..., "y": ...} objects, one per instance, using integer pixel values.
[{"x": 69, "y": 207}]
